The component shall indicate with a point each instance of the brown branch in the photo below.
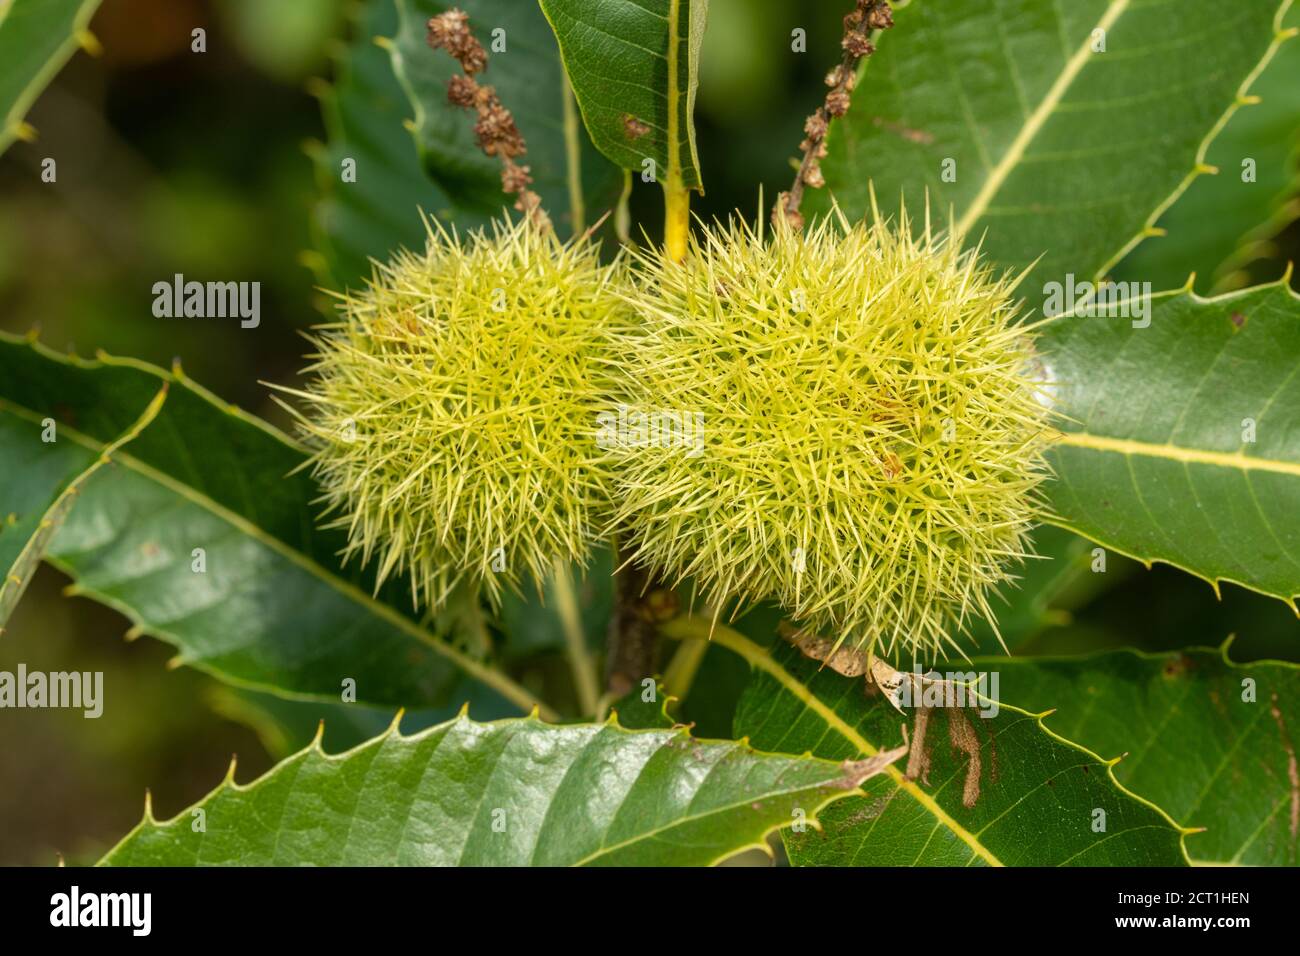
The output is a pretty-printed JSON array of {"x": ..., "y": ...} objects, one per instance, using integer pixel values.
[
  {"x": 495, "y": 129},
  {"x": 867, "y": 17},
  {"x": 641, "y": 604}
]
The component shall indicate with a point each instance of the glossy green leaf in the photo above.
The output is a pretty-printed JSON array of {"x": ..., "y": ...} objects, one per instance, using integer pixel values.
[
  {"x": 1032, "y": 799},
  {"x": 1225, "y": 219},
  {"x": 524, "y": 68},
  {"x": 1210, "y": 741},
  {"x": 1043, "y": 144},
  {"x": 271, "y": 607},
  {"x": 1180, "y": 440},
  {"x": 510, "y": 793},
  {"x": 37, "y": 37},
  {"x": 634, "y": 67}
]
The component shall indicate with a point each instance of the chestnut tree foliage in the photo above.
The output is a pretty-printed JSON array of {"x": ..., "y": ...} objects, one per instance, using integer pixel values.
[{"x": 645, "y": 671}]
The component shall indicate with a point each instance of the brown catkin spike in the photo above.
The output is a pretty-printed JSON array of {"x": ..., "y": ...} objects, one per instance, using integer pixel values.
[
  {"x": 496, "y": 130},
  {"x": 867, "y": 16},
  {"x": 450, "y": 31}
]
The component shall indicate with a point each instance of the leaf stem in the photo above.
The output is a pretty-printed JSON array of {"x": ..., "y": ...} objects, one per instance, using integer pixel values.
[
  {"x": 573, "y": 159},
  {"x": 677, "y": 218},
  {"x": 677, "y": 200},
  {"x": 622, "y": 214},
  {"x": 679, "y": 676},
  {"x": 641, "y": 604},
  {"x": 580, "y": 660}
]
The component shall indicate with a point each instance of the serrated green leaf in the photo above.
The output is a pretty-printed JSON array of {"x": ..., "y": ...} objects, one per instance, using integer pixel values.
[
  {"x": 284, "y": 726},
  {"x": 529, "y": 79},
  {"x": 1220, "y": 222},
  {"x": 1060, "y": 151},
  {"x": 634, "y": 67},
  {"x": 1035, "y": 794},
  {"x": 33, "y": 502},
  {"x": 273, "y": 609},
  {"x": 510, "y": 793},
  {"x": 634, "y": 711},
  {"x": 1197, "y": 740},
  {"x": 37, "y": 37},
  {"x": 42, "y": 490},
  {"x": 1156, "y": 461}
]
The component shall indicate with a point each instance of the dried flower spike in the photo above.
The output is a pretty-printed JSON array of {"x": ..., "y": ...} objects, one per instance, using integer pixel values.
[
  {"x": 866, "y": 17},
  {"x": 495, "y": 129}
]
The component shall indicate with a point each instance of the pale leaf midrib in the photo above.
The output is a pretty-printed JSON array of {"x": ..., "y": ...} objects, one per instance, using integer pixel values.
[
  {"x": 1178, "y": 453},
  {"x": 1035, "y": 121},
  {"x": 674, "y": 94},
  {"x": 763, "y": 661},
  {"x": 705, "y": 814},
  {"x": 492, "y": 678}
]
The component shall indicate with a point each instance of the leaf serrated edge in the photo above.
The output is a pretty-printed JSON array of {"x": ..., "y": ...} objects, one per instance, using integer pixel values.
[
  {"x": 846, "y": 785},
  {"x": 322, "y": 258},
  {"x": 663, "y": 698},
  {"x": 692, "y": 628},
  {"x": 495, "y": 679},
  {"x": 54, "y": 514},
  {"x": 1220, "y": 649},
  {"x": 1186, "y": 291},
  {"x": 397, "y": 62},
  {"x": 80, "y": 38},
  {"x": 1199, "y": 166},
  {"x": 1257, "y": 243},
  {"x": 1083, "y": 659}
]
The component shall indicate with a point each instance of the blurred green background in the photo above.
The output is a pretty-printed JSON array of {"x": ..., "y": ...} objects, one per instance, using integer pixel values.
[{"x": 171, "y": 161}]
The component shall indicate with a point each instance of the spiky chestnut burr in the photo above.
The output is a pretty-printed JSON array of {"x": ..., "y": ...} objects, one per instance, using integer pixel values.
[
  {"x": 453, "y": 407},
  {"x": 873, "y": 428}
]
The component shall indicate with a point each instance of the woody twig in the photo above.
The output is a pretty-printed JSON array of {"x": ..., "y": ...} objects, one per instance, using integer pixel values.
[
  {"x": 495, "y": 129},
  {"x": 867, "y": 16}
]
